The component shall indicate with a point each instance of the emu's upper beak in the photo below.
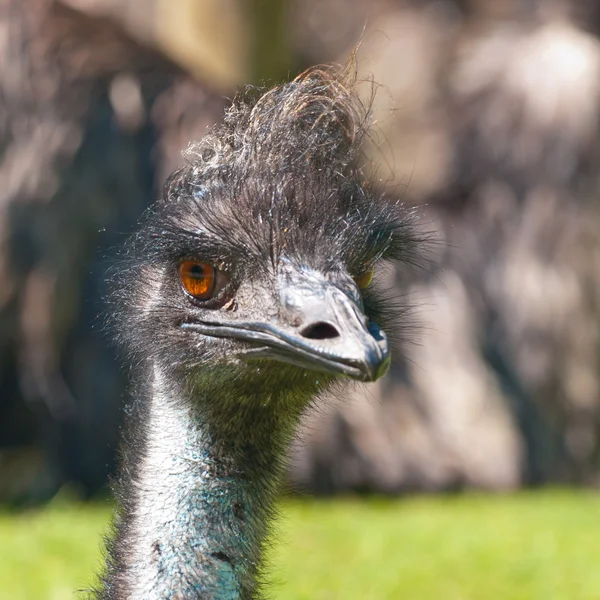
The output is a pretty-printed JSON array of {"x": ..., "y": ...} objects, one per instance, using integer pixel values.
[{"x": 319, "y": 327}]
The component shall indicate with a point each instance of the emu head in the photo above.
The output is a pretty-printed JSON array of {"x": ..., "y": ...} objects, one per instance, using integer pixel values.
[{"x": 259, "y": 257}]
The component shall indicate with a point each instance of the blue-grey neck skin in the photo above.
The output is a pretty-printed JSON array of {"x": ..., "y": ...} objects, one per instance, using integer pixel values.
[{"x": 202, "y": 477}]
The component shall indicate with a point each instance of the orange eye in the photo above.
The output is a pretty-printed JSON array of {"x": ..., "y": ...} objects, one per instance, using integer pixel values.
[
  {"x": 198, "y": 279},
  {"x": 364, "y": 280}
]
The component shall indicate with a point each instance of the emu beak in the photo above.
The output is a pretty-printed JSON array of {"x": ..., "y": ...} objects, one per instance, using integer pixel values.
[
  {"x": 319, "y": 327},
  {"x": 328, "y": 331}
]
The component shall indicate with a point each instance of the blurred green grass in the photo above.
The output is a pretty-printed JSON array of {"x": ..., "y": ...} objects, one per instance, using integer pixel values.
[{"x": 528, "y": 546}]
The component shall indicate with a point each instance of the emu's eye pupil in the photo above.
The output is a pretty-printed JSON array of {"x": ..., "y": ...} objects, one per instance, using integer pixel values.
[{"x": 197, "y": 279}]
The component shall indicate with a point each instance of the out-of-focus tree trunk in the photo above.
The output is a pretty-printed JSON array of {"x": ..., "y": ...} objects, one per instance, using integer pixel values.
[{"x": 271, "y": 54}]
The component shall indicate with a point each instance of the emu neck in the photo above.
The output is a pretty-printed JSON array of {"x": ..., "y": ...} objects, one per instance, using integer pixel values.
[{"x": 201, "y": 497}]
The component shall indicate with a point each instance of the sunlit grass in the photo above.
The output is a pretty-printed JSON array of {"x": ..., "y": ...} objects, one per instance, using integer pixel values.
[{"x": 532, "y": 546}]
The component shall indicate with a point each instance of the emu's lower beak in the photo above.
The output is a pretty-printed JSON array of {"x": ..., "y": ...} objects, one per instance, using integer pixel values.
[{"x": 319, "y": 327}]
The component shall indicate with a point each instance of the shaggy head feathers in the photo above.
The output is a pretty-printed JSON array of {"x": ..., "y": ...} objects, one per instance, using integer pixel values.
[{"x": 279, "y": 181}]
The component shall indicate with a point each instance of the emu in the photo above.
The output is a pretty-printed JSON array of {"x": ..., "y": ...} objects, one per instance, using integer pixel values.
[{"x": 243, "y": 297}]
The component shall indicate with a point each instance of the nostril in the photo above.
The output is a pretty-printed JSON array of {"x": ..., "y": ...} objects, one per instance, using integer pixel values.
[{"x": 320, "y": 331}]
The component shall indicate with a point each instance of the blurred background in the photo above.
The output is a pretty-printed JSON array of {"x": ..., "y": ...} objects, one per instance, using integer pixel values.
[{"x": 487, "y": 119}]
